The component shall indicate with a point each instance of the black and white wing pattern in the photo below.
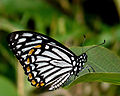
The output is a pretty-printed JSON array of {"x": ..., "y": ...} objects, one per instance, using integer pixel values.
[{"x": 44, "y": 60}]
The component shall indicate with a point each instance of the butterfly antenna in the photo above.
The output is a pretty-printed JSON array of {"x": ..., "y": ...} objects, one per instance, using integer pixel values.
[
  {"x": 95, "y": 46},
  {"x": 83, "y": 42}
]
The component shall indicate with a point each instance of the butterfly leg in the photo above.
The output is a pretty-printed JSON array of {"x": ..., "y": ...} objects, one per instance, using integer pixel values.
[
  {"x": 91, "y": 68},
  {"x": 88, "y": 67}
]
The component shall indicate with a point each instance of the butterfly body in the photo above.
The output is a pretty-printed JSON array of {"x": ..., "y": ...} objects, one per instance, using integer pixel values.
[{"x": 44, "y": 60}]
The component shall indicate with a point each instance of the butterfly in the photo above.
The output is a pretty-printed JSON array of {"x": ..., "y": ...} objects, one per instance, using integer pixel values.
[{"x": 45, "y": 61}]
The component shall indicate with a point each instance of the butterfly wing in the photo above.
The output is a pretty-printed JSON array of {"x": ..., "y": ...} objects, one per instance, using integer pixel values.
[{"x": 45, "y": 61}]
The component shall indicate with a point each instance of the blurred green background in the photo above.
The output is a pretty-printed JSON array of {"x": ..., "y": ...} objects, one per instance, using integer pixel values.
[{"x": 66, "y": 21}]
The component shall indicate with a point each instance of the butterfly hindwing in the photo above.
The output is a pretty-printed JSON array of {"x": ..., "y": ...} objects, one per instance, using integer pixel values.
[{"x": 45, "y": 61}]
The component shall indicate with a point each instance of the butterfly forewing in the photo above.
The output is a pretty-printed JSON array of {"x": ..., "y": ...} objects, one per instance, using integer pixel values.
[{"x": 45, "y": 61}]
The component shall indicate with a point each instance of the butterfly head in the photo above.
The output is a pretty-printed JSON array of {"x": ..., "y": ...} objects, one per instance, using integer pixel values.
[{"x": 83, "y": 58}]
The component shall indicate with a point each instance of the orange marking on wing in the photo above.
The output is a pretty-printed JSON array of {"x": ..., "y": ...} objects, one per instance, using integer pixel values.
[
  {"x": 42, "y": 84},
  {"x": 30, "y": 76},
  {"x": 37, "y": 85},
  {"x": 31, "y": 51},
  {"x": 28, "y": 61},
  {"x": 33, "y": 82},
  {"x": 28, "y": 69},
  {"x": 38, "y": 46}
]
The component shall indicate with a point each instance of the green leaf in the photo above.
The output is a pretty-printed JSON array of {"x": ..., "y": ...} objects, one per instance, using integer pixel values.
[
  {"x": 6, "y": 87},
  {"x": 105, "y": 63},
  {"x": 113, "y": 78}
]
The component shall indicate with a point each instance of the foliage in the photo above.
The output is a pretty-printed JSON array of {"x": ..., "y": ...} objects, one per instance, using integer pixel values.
[{"x": 6, "y": 87}]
